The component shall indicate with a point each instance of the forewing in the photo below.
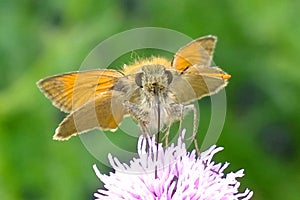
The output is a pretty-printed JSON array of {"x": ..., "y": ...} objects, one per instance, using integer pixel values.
[
  {"x": 198, "y": 52},
  {"x": 70, "y": 91},
  {"x": 104, "y": 112},
  {"x": 197, "y": 82}
]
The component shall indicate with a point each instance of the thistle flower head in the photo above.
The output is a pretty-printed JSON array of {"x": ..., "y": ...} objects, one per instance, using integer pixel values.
[{"x": 170, "y": 173}]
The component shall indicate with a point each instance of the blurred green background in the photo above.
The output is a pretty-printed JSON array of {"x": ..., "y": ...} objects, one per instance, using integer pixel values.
[{"x": 258, "y": 44}]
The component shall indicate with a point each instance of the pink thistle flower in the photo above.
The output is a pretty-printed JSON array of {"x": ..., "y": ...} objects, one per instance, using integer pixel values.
[{"x": 180, "y": 175}]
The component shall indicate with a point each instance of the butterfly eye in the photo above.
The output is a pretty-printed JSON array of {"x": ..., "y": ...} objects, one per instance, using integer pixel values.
[
  {"x": 138, "y": 79},
  {"x": 169, "y": 76}
]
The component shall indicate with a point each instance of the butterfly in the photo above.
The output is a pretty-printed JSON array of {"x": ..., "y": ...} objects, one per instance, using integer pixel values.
[{"x": 153, "y": 91}]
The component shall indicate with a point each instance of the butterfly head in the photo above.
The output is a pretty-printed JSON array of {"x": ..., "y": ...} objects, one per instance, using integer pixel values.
[{"x": 154, "y": 79}]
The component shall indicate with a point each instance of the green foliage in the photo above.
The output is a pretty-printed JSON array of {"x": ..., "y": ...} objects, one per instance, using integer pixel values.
[{"x": 258, "y": 45}]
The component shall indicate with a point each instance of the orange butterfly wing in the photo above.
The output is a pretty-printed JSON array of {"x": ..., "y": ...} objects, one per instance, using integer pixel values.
[
  {"x": 103, "y": 112},
  {"x": 193, "y": 63},
  {"x": 199, "y": 51},
  {"x": 70, "y": 91}
]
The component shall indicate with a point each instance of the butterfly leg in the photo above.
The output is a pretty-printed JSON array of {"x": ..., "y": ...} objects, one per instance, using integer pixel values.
[
  {"x": 195, "y": 121},
  {"x": 195, "y": 130},
  {"x": 181, "y": 118},
  {"x": 175, "y": 113},
  {"x": 140, "y": 115},
  {"x": 144, "y": 129},
  {"x": 166, "y": 136}
]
